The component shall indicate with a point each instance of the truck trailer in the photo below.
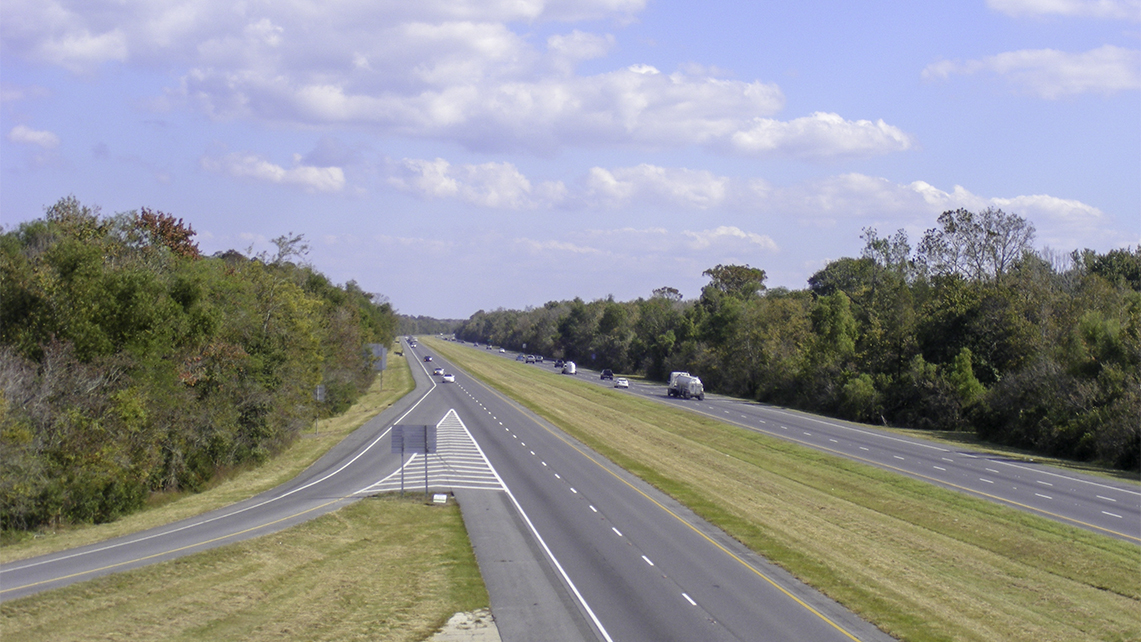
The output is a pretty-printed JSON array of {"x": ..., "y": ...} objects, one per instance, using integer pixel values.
[{"x": 685, "y": 385}]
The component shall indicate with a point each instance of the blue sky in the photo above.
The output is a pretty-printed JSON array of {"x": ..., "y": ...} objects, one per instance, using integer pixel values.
[{"x": 457, "y": 155}]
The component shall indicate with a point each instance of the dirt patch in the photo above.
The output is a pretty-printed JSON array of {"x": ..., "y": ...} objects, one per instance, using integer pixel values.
[{"x": 476, "y": 626}]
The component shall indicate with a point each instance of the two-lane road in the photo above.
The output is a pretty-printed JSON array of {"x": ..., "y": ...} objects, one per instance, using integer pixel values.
[
  {"x": 640, "y": 566},
  {"x": 1088, "y": 501}
]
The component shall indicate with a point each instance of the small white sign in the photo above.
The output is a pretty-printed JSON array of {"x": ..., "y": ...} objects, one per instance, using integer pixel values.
[{"x": 439, "y": 498}]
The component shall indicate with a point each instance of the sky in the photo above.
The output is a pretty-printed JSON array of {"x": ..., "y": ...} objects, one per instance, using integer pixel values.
[{"x": 459, "y": 155}]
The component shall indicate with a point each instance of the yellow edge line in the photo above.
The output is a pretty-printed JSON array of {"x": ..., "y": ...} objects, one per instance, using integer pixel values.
[
  {"x": 684, "y": 521},
  {"x": 176, "y": 550}
]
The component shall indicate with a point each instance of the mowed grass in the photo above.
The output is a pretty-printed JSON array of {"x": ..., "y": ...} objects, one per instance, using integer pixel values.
[
  {"x": 228, "y": 488},
  {"x": 381, "y": 568},
  {"x": 920, "y": 562}
]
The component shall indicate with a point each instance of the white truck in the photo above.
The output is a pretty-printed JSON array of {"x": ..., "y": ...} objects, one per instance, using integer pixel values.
[{"x": 685, "y": 385}]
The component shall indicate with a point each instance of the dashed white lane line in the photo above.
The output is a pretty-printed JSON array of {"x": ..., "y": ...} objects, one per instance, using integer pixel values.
[
  {"x": 939, "y": 468},
  {"x": 1042, "y": 496},
  {"x": 1108, "y": 499},
  {"x": 616, "y": 531},
  {"x": 985, "y": 480},
  {"x": 1105, "y": 512},
  {"x": 689, "y": 599},
  {"x": 647, "y": 560}
]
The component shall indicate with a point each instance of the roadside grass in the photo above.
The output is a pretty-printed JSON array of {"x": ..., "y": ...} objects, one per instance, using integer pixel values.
[
  {"x": 920, "y": 562},
  {"x": 382, "y": 568},
  {"x": 229, "y": 488}
]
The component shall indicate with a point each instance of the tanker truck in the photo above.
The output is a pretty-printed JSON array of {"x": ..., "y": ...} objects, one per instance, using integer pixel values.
[{"x": 685, "y": 385}]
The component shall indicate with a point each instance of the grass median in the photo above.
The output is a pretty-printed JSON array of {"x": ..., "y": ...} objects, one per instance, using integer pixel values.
[
  {"x": 921, "y": 562},
  {"x": 382, "y": 568}
]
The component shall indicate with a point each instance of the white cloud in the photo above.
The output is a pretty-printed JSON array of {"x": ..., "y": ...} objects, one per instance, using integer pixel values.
[
  {"x": 490, "y": 185},
  {"x": 312, "y": 179},
  {"x": 1052, "y": 74},
  {"x": 727, "y": 234},
  {"x": 439, "y": 69},
  {"x": 678, "y": 187},
  {"x": 844, "y": 201},
  {"x": 821, "y": 135},
  {"x": 28, "y": 136},
  {"x": 566, "y": 51},
  {"x": 1113, "y": 9}
]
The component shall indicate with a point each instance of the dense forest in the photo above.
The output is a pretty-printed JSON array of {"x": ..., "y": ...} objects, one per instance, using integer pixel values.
[
  {"x": 130, "y": 363},
  {"x": 971, "y": 331},
  {"x": 409, "y": 325}
]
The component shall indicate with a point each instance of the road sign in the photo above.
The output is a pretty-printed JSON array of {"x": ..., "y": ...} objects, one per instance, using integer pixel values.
[{"x": 413, "y": 439}]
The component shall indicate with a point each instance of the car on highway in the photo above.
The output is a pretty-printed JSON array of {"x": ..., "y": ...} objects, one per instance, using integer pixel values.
[
  {"x": 621, "y": 382},
  {"x": 569, "y": 368},
  {"x": 530, "y": 358},
  {"x": 607, "y": 373},
  {"x": 449, "y": 378},
  {"x": 427, "y": 358},
  {"x": 558, "y": 364},
  {"x": 438, "y": 371}
]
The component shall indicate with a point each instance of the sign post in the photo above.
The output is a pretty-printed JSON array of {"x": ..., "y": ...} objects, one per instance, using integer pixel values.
[{"x": 413, "y": 439}]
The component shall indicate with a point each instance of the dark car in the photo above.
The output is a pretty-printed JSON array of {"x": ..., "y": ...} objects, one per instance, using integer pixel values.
[
  {"x": 427, "y": 358},
  {"x": 607, "y": 374},
  {"x": 559, "y": 363}
]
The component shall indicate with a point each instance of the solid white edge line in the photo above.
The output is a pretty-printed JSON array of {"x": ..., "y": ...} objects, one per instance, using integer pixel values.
[{"x": 535, "y": 532}]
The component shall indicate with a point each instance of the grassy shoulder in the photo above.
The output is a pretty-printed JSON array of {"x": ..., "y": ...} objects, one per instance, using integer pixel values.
[
  {"x": 382, "y": 568},
  {"x": 226, "y": 489},
  {"x": 920, "y": 562}
]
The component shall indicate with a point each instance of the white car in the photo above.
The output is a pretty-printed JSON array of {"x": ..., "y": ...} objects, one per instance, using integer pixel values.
[
  {"x": 501, "y": 350},
  {"x": 438, "y": 371},
  {"x": 449, "y": 378},
  {"x": 621, "y": 382}
]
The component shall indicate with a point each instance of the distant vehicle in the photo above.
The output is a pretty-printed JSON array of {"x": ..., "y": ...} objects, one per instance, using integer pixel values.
[
  {"x": 538, "y": 358},
  {"x": 569, "y": 368},
  {"x": 607, "y": 373},
  {"x": 438, "y": 371},
  {"x": 684, "y": 385},
  {"x": 502, "y": 351},
  {"x": 428, "y": 358},
  {"x": 520, "y": 358},
  {"x": 621, "y": 382},
  {"x": 449, "y": 378},
  {"x": 559, "y": 363},
  {"x": 530, "y": 358}
]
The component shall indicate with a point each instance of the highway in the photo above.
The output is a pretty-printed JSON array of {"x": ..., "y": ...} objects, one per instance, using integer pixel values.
[
  {"x": 1091, "y": 502},
  {"x": 571, "y": 547}
]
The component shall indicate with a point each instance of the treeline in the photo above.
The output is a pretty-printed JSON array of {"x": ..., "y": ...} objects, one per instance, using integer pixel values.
[
  {"x": 410, "y": 325},
  {"x": 130, "y": 363},
  {"x": 972, "y": 331}
]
